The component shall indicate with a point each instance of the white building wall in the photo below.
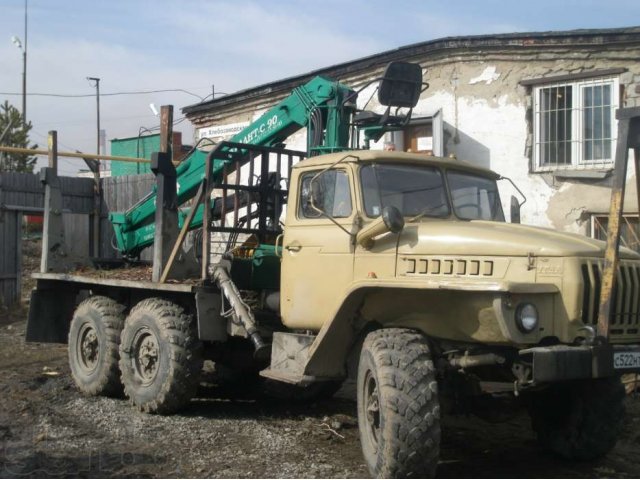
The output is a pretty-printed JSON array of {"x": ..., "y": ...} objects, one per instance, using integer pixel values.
[
  {"x": 486, "y": 114},
  {"x": 485, "y": 111}
]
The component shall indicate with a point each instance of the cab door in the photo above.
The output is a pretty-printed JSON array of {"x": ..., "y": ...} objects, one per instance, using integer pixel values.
[{"x": 318, "y": 252}]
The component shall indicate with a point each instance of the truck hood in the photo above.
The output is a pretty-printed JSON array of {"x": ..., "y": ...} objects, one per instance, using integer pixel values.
[{"x": 483, "y": 238}]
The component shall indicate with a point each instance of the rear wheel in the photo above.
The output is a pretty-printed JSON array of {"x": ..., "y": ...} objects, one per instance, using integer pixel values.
[
  {"x": 160, "y": 356},
  {"x": 398, "y": 407},
  {"x": 579, "y": 420},
  {"x": 94, "y": 339}
]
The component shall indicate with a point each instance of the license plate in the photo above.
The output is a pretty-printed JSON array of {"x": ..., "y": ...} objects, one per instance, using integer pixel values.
[{"x": 626, "y": 360}]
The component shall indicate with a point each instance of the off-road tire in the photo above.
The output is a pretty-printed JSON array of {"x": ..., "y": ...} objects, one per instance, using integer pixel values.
[
  {"x": 293, "y": 393},
  {"x": 579, "y": 420},
  {"x": 402, "y": 438},
  {"x": 94, "y": 340},
  {"x": 160, "y": 357}
]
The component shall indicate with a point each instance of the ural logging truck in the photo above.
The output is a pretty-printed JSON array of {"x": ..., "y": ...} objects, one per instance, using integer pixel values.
[{"x": 395, "y": 269}]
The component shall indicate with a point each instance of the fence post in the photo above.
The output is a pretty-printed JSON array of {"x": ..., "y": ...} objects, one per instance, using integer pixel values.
[{"x": 53, "y": 246}]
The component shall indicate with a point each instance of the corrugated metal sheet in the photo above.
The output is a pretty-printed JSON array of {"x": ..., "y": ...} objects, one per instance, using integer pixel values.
[{"x": 137, "y": 147}]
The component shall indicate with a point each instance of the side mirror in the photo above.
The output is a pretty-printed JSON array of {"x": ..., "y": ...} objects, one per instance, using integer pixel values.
[
  {"x": 401, "y": 85},
  {"x": 515, "y": 210},
  {"x": 391, "y": 220}
]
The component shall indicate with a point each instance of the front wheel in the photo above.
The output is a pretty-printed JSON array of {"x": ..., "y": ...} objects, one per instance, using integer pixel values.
[
  {"x": 160, "y": 356},
  {"x": 579, "y": 420},
  {"x": 398, "y": 407}
]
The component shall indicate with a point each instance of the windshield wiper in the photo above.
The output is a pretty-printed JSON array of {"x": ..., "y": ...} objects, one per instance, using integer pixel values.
[{"x": 425, "y": 211}]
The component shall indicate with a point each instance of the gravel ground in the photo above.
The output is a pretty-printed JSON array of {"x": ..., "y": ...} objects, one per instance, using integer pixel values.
[{"x": 48, "y": 429}]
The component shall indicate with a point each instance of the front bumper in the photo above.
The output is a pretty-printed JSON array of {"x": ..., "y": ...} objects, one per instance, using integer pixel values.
[{"x": 564, "y": 362}]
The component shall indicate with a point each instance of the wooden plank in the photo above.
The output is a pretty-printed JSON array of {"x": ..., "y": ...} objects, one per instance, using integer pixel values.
[
  {"x": 18, "y": 257},
  {"x": 628, "y": 121},
  {"x": 9, "y": 262},
  {"x": 183, "y": 233},
  {"x": 78, "y": 155},
  {"x": 76, "y": 232}
]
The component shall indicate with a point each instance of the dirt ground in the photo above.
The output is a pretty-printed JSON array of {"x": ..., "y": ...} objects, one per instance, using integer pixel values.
[{"x": 49, "y": 429}]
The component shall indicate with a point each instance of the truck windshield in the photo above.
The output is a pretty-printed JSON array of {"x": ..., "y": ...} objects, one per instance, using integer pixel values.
[
  {"x": 474, "y": 197},
  {"x": 414, "y": 190},
  {"x": 419, "y": 190}
]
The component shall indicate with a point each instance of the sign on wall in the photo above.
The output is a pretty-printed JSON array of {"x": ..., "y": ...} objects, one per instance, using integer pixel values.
[{"x": 221, "y": 131}]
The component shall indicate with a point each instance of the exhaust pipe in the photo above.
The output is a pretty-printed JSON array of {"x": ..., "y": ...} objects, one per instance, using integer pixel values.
[
  {"x": 471, "y": 361},
  {"x": 239, "y": 309}
]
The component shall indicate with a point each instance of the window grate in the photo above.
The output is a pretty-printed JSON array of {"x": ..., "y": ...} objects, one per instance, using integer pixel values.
[{"x": 575, "y": 124}]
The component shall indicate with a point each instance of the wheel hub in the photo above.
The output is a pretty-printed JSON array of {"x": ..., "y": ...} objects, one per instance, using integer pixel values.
[
  {"x": 88, "y": 348},
  {"x": 372, "y": 407},
  {"x": 146, "y": 355}
]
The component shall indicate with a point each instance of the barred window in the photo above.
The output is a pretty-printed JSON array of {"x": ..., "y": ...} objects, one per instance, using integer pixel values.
[
  {"x": 629, "y": 230},
  {"x": 575, "y": 124}
]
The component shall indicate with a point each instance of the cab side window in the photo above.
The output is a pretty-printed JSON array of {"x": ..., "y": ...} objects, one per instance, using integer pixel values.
[{"x": 332, "y": 194}]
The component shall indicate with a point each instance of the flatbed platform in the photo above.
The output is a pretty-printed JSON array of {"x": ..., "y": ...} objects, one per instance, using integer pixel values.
[{"x": 87, "y": 278}]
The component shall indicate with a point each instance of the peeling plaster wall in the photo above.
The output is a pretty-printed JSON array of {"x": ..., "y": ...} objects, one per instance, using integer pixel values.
[{"x": 485, "y": 113}]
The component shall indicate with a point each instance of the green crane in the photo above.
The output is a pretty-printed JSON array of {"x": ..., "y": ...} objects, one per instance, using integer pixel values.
[{"x": 324, "y": 106}]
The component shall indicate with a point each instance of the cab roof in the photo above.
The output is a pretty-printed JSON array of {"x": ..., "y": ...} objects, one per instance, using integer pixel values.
[{"x": 362, "y": 156}]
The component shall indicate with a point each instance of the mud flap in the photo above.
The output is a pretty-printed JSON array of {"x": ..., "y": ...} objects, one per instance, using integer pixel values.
[{"x": 50, "y": 312}]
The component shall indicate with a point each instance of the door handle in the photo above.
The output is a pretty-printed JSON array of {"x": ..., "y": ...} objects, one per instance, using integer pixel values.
[
  {"x": 278, "y": 240},
  {"x": 293, "y": 247}
]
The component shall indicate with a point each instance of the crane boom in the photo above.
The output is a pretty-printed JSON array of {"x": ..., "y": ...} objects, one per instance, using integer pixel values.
[{"x": 318, "y": 105}]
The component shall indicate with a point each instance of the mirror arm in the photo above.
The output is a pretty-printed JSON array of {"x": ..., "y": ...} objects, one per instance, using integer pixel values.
[
  {"x": 325, "y": 214},
  {"x": 355, "y": 93},
  {"x": 407, "y": 118},
  {"x": 516, "y": 187},
  {"x": 314, "y": 206}
]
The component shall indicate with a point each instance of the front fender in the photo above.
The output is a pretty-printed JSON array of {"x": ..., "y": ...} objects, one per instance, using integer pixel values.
[{"x": 455, "y": 311}]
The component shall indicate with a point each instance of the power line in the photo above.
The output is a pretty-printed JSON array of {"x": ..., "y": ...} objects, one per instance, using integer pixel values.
[
  {"x": 46, "y": 137},
  {"x": 112, "y": 94}
]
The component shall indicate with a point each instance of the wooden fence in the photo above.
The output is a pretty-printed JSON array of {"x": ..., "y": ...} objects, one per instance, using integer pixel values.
[
  {"x": 23, "y": 194},
  {"x": 118, "y": 195}
]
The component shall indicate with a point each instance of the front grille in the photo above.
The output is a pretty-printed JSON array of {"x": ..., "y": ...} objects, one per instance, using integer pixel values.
[{"x": 625, "y": 312}]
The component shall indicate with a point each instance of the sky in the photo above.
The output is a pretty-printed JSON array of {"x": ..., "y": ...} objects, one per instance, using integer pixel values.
[{"x": 190, "y": 45}]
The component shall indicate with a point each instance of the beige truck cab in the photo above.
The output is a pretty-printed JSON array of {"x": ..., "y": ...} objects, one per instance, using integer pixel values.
[{"x": 401, "y": 268}]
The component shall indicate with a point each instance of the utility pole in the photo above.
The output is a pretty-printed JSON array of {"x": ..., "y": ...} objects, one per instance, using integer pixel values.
[
  {"x": 96, "y": 175},
  {"x": 24, "y": 69},
  {"x": 16, "y": 41},
  {"x": 97, "y": 85}
]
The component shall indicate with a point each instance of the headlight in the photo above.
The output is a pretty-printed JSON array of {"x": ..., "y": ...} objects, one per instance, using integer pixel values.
[{"x": 526, "y": 317}]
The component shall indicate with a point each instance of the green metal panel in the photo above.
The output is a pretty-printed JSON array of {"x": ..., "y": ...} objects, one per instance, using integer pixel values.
[
  {"x": 265, "y": 273},
  {"x": 138, "y": 147}
]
